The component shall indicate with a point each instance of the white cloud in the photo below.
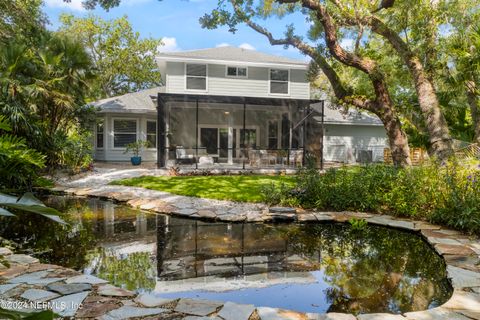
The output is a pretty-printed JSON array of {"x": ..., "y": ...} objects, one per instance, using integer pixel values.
[
  {"x": 247, "y": 46},
  {"x": 169, "y": 45},
  {"x": 73, "y": 4},
  {"x": 223, "y": 44}
]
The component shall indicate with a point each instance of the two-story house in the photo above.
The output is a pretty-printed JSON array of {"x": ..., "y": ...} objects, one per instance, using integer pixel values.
[{"x": 234, "y": 107}]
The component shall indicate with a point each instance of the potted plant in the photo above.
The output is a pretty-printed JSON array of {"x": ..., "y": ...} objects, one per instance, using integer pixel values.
[{"x": 136, "y": 148}]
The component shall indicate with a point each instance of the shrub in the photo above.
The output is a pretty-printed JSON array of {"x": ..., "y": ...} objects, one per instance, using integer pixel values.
[{"x": 447, "y": 194}]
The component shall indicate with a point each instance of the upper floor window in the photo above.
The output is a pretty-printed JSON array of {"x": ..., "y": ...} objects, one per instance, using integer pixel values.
[
  {"x": 279, "y": 81},
  {"x": 196, "y": 76},
  {"x": 240, "y": 72},
  {"x": 124, "y": 132}
]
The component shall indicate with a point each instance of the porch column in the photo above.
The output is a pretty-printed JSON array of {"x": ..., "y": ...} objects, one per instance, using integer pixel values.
[
  {"x": 230, "y": 138},
  {"x": 161, "y": 132}
]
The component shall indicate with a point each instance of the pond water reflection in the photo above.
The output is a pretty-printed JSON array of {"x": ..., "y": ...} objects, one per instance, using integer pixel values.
[{"x": 304, "y": 267}]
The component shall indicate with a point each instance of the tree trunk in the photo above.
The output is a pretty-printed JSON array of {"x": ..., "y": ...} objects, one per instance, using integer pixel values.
[
  {"x": 436, "y": 124},
  {"x": 472, "y": 99},
  {"x": 396, "y": 136}
]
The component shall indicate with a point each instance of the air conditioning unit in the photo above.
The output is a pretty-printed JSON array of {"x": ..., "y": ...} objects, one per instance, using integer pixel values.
[{"x": 364, "y": 156}]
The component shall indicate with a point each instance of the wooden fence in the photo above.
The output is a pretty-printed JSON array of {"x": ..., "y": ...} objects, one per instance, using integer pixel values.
[{"x": 417, "y": 155}]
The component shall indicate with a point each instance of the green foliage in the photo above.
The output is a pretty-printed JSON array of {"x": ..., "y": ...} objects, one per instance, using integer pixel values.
[
  {"x": 18, "y": 315},
  {"x": 445, "y": 194},
  {"x": 358, "y": 224},
  {"x": 27, "y": 203},
  {"x": 18, "y": 163},
  {"x": 124, "y": 62},
  {"x": 136, "y": 147}
]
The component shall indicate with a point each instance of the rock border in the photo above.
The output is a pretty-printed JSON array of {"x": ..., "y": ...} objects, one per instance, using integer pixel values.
[{"x": 26, "y": 278}]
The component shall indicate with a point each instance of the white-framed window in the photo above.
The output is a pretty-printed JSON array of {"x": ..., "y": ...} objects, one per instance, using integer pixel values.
[
  {"x": 236, "y": 72},
  {"x": 152, "y": 133},
  {"x": 99, "y": 133},
  {"x": 124, "y": 132},
  {"x": 279, "y": 81},
  {"x": 196, "y": 77}
]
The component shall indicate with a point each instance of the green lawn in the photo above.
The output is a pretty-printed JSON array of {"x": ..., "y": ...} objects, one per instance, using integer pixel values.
[{"x": 236, "y": 188}]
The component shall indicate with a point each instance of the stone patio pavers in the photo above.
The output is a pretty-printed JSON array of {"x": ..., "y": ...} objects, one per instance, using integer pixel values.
[
  {"x": 21, "y": 259},
  {"x": 380, "y": 316},
  {"x": 127, "y": 312},
  {"x": 85, "y": 279},
  {"x": 435, "y": 314},
  {"x": 112, "y": 291},
  {"x": 197, "y": 307},
  {"x": 462, "y": 278},
  {"x": 38, "y": 295},
  {"x": 70, "y": 288},
  {"x": 234, "y": 311},
  {"x": 67, "y": 306},
  {"x": 4, "y": 288},
  {"x": 150, "y": 300}
]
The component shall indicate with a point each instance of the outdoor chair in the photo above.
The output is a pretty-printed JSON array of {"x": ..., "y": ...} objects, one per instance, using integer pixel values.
[
  {"x": 267, "y": 158},
  {"x": 296, "y": 157},
  {"x": 183, "y": 157}
]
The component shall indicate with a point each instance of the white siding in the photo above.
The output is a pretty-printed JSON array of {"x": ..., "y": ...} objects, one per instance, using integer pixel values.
[
  {"x": 255, "y": 85},
  {"x": 342, "y": 142},
  {"x": 116, "y": 154}
]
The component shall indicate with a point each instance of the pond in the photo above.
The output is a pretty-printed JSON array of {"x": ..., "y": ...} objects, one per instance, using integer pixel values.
[{"x": 304, "y": 267}]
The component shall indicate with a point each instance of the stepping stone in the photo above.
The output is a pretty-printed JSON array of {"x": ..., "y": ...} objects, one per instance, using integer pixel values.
[
  {"x": 38, "y": 295},
  {"x": 21, "y": 259},
  {"x": 67, "y": 306},
  {"x": 65, "y": 289},
  {"x": 36, "y": 278},
  {"x": 95, "y": 306},
  {"x": 127, "y": 312},
  {"x": 462, "y": 278},
  {"x": 402, "y": 224},
  {"x": 444, "y": 241},
  {"x": 282, "y": 210},
  {"x": 267, "y": 313},
  {"x": 84, "y": 278},
  {"x": 330, "y": 316},
  {"x": 462, "y": 300},
  {"x": 454, "y": 249},
  {"x": 7, "y": 287},
  {"x": 197, "y": 307},
  {"x": 380, "y": 316},
  {"x": 150, "y": 300},
  {"x": 233, "y": 311},
  {"x": 436, "y": 313},
  {"x": 206, "y": 214},
  {"x": 112, "y": 291},
  {"x": 5, "y": 251}
]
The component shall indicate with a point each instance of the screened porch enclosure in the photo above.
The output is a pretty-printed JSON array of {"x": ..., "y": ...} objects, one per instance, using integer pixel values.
[{"x": 242, "y": 132}]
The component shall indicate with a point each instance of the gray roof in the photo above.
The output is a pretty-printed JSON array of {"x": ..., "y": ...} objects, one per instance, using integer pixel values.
[
  {"x": 336, "y": 115},
  {"x": 135, "y": 102},
  {"x": 229, "y": 53}
]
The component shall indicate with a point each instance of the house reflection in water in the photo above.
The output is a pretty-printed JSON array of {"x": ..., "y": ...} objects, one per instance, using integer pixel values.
[{"x": 224, "y": 256}]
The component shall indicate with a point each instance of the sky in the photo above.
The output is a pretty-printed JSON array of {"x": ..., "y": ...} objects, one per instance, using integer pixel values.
[{"x": 176, "y": 22}]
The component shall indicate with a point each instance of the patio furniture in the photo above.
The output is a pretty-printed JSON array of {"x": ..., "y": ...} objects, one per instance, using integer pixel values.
[
  {"x": 296, "y": 157},
  {"x": 183, "y": 157},
  {"x": 253, "y": 157},
  {"x": 206, "y": 160},
  {"x": 268, "y": 158}
]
